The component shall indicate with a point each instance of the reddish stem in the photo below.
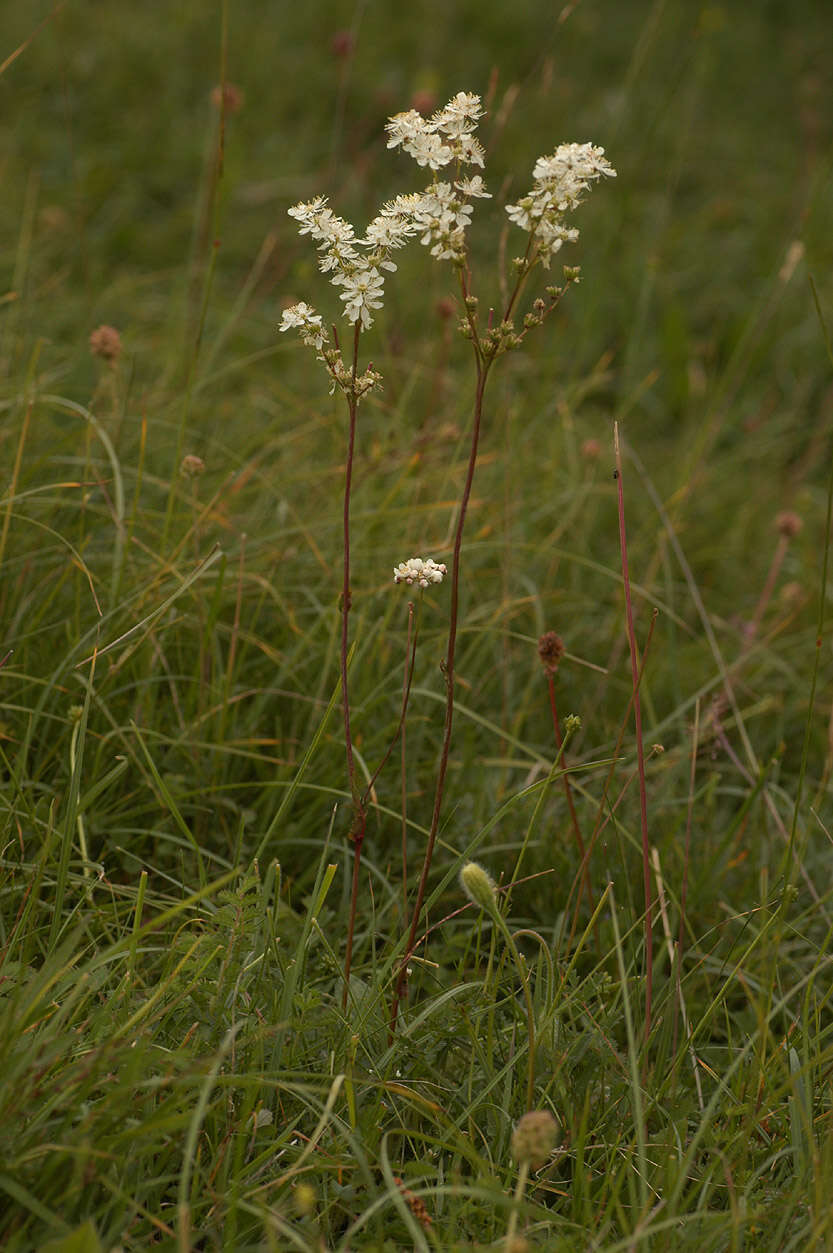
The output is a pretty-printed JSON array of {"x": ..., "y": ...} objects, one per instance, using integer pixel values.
[
  {"x": 568, "y": 792},
  {"x": 448, "y": 671},
  {"x": 359, "y": 823},
  {"x": 640, "y": 754}
]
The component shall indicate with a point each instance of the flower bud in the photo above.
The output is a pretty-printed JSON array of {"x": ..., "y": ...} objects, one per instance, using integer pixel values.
[{"x": 479, "y": 886}]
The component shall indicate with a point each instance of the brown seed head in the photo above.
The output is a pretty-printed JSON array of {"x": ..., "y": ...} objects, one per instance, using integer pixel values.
[
  {"x": 534, "y": 1138},
  {"x": 591, "y": 450},
  {"x": 191, "y": 466},
  {"x": 105, "y": 342},
  {"x": 788, "y": 523},
  {"x": 550, "y": 650}
]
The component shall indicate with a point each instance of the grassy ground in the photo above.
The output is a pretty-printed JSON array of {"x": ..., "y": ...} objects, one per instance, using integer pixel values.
[{"x": 176, "y": 1068}]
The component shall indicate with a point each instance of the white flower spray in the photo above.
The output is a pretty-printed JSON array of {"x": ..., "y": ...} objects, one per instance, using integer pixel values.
[{"x": 439, "y": 216}]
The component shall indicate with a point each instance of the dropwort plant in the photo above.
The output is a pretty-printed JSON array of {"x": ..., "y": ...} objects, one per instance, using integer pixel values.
[{"x": 438, "y": 217}]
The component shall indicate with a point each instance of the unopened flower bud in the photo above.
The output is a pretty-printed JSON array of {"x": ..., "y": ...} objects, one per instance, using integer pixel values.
[{"x": 479, "y": 886}]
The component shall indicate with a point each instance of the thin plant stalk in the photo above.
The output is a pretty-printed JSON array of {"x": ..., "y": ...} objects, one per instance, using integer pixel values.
[
  {"x": 640, "y": 752},
  {"x": 448, "y": 672},
  {"x": 359, "y": 821},
  {"x": 695, "y": 737},
  {"x": 512, "y": 1228},
  {"x": 601, "y": 821},
  {"x": 403, "y": 758},
  {"x": 568, "y": 792},
  {"x": 482, "y": 890},
  {"x": 361, "y": 803},
  {"x": 484, "y": 359}
]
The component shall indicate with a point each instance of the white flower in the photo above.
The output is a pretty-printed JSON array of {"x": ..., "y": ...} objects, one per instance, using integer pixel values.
[
  {"x": 419, "y": 570},
  {"x": 303, "y": 318},
  {"x": 561, "y": 182},
  {"x": 445, "y": 137},
  {"x": 404, "y": 127},
  {"x": 460, "y": 115},
  {"x": 470, "y": 151},
  {"x": 428, "y": 149},
  {"x": 362, "y": 292},
  {"x": 473, "y": 186}
]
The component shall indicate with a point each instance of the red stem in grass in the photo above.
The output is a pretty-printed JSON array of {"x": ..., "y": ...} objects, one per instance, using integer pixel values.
[
  {"x": 640, "y": 754},
  {"x": 484, "y": 359},
  {"x": 359, "y": 822},
  {"x": 601, "y": 821},
  {"x": 448, "y": 671},
  {"x": 695, "y": 735},
  {"x": 568, "y": 792},
  {"x": 402, "y": 773}
]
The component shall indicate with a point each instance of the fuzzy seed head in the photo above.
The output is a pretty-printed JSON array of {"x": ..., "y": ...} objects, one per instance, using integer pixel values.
[
  {"x": 533, "y": 1139},
  {"x": 105, "y": 342},
  {"x": 788, "y": 523},
  {"x": 191, "y": 466},
  {"x": 550, "y": 650}
]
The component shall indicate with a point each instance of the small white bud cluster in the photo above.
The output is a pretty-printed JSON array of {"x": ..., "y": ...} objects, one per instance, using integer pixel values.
[{"x": 419, "y": 570}]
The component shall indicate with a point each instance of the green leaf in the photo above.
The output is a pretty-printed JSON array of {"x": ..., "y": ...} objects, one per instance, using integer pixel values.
[{"x": 83, "y": 1239}]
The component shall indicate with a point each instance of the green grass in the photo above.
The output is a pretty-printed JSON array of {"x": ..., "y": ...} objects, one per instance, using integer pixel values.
[{"x": 176, "y": 1070}]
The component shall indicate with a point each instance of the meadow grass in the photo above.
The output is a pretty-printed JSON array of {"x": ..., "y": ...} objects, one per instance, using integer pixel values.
[{"x": 178, "y": 1065}]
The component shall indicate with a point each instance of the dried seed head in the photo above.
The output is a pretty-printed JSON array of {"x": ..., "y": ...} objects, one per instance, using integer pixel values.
[
  {"x": 550, "y": 650},
  {"x": 533, "y": 1139},
  {"x": 105, "y": 342},
  {"x": 591, "y": 450},
  {"x": 191, "y": 466},
  {"x": 788, "y": 523}
]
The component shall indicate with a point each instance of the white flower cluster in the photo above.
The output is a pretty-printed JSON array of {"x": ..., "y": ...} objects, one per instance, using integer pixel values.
[
  {"x": 439, "y": 215},
  {"x": 354, "y": 264},
  {"x": 561, "y": 183},
  {"x": 445, "y": 137},
  {"x": 307, "y": 322},
  {"x": 442, "y": 212},
  {"x": 422, "y": 571}
]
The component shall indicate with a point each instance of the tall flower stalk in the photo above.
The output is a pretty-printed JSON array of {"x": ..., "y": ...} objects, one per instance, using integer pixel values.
[{"x": 439, "y": 217}]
